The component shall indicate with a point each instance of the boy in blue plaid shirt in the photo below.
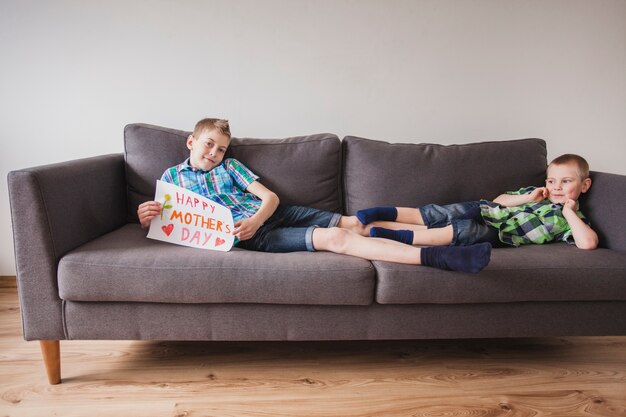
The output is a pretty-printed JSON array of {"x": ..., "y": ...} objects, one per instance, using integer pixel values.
[
  {"x": 529, "y": 215},
  {"x": 262, "y": 224}
]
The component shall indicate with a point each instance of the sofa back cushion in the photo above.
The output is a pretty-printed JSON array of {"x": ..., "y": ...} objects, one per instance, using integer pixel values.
[
  {"x": 603, "y": 204},
  {"x": 302, "y": 170},
  {"x": 379, "y": 173}
]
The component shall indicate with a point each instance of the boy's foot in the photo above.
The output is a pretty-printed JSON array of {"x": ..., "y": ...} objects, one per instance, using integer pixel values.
[
  {"x": 458, "y": 258},
  {"x": 370, "y": 215},
  {"x": 404, "y": 236}
]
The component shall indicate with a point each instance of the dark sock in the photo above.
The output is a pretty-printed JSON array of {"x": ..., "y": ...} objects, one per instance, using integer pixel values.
[
  {"x": 457, "y": 258},
  {"x": 404, "y": 236},
  {"x": 377, "y": 213}
]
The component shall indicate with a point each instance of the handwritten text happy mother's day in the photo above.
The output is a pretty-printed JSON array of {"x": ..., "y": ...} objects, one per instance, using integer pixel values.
[{"x": 190, "y": 219}]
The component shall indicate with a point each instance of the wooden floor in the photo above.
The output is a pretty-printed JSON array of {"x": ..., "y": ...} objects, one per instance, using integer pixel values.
[{"x": 577, "y": 376}]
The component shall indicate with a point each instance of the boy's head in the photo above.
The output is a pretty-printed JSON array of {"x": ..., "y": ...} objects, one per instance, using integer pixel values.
[
  {"x": 208, "y": 143},
  {"x": 567, "y": 178}
]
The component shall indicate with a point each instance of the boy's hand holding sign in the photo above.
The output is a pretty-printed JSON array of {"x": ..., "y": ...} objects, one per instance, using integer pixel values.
[{"x": 190, "y": 219}]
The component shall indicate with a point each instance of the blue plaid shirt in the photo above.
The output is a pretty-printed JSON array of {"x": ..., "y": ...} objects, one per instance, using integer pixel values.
[{"x": 225, "y": 184}]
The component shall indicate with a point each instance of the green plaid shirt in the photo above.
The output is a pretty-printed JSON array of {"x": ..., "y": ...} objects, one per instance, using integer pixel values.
[{"x": 539, "y": 222}]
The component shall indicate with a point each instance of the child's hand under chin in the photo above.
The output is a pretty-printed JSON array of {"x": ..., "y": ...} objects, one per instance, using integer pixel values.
[{"x": 569, "y": 204}]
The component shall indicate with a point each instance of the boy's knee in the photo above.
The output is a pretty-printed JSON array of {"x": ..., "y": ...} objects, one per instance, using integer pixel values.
[{"x": 333, "y": 239}]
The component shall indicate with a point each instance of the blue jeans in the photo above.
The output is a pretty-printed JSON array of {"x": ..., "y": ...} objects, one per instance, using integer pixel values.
[
  {"x": 290, "y": 229},
  {"x": 468, "y": 226}
]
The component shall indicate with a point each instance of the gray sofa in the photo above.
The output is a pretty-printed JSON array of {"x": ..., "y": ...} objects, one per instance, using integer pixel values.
[{"x": 86, "y": 271}]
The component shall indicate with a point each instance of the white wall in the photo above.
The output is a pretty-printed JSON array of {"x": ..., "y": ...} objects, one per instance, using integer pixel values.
[{"x": 73, "y": 73}]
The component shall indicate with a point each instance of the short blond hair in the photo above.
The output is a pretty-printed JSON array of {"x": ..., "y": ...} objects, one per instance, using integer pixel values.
[
  {"x": 209, "y": 124},
  {"x": 570, "y": 158}
]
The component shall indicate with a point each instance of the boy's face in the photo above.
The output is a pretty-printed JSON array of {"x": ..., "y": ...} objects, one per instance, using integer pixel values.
[
  {"x": 207, "y": 150},
  {"x": 564, "y": 182}
]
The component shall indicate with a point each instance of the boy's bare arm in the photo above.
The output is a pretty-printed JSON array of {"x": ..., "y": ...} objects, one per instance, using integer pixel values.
[
  {"x": 511, "y": 200},
  {"x": 246, "y": 228},
  {"x": 584, "y": 236}
]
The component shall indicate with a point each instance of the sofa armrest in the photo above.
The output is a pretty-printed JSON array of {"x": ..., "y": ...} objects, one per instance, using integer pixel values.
[
  {"x": 605, "y": 206},
  {"x": 54, "y": 209}
]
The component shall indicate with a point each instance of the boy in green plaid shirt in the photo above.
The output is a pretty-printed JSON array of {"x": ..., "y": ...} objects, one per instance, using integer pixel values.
[{"x": 529, "y": 215}]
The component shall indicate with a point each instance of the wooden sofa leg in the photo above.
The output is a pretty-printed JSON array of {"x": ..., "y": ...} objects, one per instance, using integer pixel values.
[{"x": 51, "y": 351}]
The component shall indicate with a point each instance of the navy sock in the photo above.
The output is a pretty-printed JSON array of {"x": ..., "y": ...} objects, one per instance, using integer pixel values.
[
  {"x": 404, "y": 236},
  {"x": 471, "y": 258},
  {"x": 377, "y": 213}
]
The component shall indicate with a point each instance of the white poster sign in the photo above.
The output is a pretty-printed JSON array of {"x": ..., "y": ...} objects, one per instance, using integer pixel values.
[{"x": 190, "y": 219}]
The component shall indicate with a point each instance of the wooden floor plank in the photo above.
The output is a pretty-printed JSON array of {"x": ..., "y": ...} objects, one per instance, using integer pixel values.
[{"x": 573, "y": 376}]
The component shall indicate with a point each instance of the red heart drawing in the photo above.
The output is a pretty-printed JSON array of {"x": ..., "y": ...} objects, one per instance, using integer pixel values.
[
  {"x": 168, "y": 229},
  {"x": 219, "y": 241}
]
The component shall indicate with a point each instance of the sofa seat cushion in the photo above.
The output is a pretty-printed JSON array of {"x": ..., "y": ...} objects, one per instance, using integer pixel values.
[
  {"x": 554, "y": 272},
  {"x": 124, "y": 265}
]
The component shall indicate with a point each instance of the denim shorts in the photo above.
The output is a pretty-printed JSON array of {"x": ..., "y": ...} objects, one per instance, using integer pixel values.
[
  {"x": 467, "y": 224},
  {"x": 290, "y": 229}
]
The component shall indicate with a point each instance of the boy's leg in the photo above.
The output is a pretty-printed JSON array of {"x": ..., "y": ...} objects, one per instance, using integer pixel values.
[
  {"x": 396, "y": 226},
  {"x": 390, "y": 214},
  {"x": 441, "y": 236},
  {"x": 346, "y": 242},
  {"x": 409, "y": 215},
  {"x": 300, "y": 216},
  {"x": 465, "y": 259},
  {"x": 463, "y": 232},
  {"x": 353, "y": 223},
  {"x": 452, "y": 223}
]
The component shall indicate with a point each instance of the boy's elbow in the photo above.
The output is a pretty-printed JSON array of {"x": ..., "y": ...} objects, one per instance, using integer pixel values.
[
  {"x": 587, "y": 244},
  {"x": 275, "y": 198},
  {"x": 499, "y": 199}
]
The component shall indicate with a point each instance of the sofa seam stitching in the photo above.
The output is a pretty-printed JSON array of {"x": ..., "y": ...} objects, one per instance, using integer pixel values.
[{"x": 216, "y": 268}]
